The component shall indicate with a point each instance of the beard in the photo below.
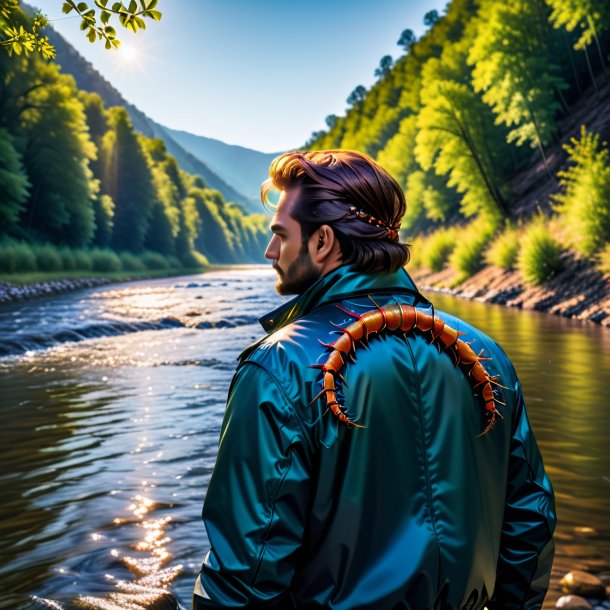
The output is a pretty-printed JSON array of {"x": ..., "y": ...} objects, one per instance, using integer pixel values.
[{"x": 301, "y": 274}]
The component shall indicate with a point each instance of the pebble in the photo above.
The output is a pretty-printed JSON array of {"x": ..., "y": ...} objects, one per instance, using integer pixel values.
[
  {"x": 20, "y": 292},
  {"x": 573, "y": 602},
  {"x": 578, "y": 582}
]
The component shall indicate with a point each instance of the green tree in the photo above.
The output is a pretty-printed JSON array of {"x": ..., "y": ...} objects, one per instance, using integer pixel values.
[
  {"x": 357, "y": 95},
  {"x": 128, "y": 180},
  {"x": 385, "y": 65},
  {"x": 588, "y": 18},
  {"x": 515, "y": 70},
  {"x": 330, "y": 120},
  {"x": 55, "y": 143},
  {"x": 457, "y": 136},
  {"x": 14, "y": 184},
  {"x": 585, "y": 200},
  {"x": 214, "y": 238},
  {"x": 430, "y": 18},
  {"x": 407, "y": 40}
]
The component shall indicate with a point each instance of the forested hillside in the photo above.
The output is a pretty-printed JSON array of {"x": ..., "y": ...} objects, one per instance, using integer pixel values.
[
  {"x": 476, "y": 118},
  {"x": 81, "y": 189}
]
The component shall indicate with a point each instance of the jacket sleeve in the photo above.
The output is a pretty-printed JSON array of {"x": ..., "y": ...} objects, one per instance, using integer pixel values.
[
  {"x": 256, "y": 503},
  {"x": 526, "y": 546}
]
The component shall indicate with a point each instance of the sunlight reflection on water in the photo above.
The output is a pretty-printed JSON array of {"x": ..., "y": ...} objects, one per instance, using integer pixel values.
[{"x": 109, "y": 434}]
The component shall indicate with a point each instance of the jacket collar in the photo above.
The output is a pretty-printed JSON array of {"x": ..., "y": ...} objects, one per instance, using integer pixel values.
[{"x": 339, "y": 284}]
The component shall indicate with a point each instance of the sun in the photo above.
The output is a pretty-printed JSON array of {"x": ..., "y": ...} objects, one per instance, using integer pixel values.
[{"x": 128, "y": 53}]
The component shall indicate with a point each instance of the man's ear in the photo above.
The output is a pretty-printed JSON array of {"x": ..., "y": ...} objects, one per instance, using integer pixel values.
[{"x": 323, "y": 243}]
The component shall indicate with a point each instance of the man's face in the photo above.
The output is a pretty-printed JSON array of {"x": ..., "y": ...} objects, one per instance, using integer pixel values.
[{"x": 291, "y": 259}]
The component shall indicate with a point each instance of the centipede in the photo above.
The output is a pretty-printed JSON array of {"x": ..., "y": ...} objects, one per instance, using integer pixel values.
[{"x": 405, "y": 319}]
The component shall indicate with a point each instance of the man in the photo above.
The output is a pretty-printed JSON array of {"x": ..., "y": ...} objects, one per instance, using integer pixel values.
[{"x": 417, "y": 509}]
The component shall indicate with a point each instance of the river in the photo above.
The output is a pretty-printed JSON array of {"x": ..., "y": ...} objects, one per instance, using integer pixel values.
[{"x": 111, "y": 401}]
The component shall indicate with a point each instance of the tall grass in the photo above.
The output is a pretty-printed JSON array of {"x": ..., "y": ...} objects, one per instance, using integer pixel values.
[
  {"x": 467, "y": 256},
  {"x": 540, "y": 254},
  {"x": 16, "y": 257},
  {"x": 20, "y": 257},
  {"x": 48, "y": 258},
  {"x": 436, "y": 249},
  {"x": 504, "y": 248},
  {"x": 585, "y": 201}
]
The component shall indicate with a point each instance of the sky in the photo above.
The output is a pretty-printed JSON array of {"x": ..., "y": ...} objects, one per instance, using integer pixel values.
[{"x": 263, "y": 74}]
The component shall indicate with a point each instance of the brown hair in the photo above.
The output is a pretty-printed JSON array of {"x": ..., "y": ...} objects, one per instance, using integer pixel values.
[{"x": 348, "y": 191}]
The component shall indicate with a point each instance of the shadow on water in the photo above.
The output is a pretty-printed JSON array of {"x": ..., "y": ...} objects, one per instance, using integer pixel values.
[{"x": 108, "y": 442}]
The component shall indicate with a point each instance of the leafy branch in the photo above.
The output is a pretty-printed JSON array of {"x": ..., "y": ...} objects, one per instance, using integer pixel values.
[
  {"x": 130, "y": 17},
  {"x": 17, "y": 39}
]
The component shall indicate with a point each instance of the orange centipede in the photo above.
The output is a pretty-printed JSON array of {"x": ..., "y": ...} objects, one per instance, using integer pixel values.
[{"x": 406, "y": 319}]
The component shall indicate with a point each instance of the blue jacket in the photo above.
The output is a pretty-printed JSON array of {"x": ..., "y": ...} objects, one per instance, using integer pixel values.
[{"x": 414, "y": 511}]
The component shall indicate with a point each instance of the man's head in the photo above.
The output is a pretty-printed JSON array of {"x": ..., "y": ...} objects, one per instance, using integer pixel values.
[{"x": 336, "y": 207}]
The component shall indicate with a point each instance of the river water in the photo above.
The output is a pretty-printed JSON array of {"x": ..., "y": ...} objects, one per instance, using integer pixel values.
[{"x": 111, "y": 401}]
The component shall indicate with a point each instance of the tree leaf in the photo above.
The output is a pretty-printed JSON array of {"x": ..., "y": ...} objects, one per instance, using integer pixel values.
[{"x": 66, "y": 8}]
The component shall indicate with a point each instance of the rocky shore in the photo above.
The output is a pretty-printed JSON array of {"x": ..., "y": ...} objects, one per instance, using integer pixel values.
[
  {"x": 578, "y": 291},
  {"x": 19, "y": 292}
]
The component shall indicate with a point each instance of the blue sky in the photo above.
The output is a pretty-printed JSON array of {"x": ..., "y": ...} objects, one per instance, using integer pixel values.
[{"x": 260, "y": 73}]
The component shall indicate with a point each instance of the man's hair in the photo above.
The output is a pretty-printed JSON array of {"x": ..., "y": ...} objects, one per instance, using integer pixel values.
[{"x": 348, "y": 191}]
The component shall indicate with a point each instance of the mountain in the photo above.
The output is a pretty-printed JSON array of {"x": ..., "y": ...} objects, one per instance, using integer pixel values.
[
  {"x": 241, "y": 167},
  {"x": 89, "y": 79}
]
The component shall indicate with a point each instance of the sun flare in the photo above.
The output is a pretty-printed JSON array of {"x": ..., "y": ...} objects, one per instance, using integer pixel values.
[{"x": 128, "y": 53}]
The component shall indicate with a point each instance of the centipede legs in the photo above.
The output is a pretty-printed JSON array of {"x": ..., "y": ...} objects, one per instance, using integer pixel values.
[{"x": 406, "y": 319}]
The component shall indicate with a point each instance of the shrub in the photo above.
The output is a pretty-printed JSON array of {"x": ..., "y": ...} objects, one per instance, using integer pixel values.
[
  {"x": 16, "y": 257},
  {"x": 82, "y": 260},
  {"x": 504, "y": 248},
  {"x": 585, "y": 203},
  {"x": 539, "y": 257},
  {"x": 131, "y": 262},
  {"x": 191, "y": 260},
  {"x": 174, "y": 262},
  {"x": 47, "y": 258},
  {"x": 438, "y": 248},
  {"x": 604, "y": 260},
  {"x": 155, "y": 261},
  {"x": 68, "y": 262},
  {"x": 467, "y": 256},
  {"x": 105, "y": 260}
]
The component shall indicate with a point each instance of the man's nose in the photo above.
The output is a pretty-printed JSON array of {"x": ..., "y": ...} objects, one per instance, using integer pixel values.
[{"x": 272, "y": 251}]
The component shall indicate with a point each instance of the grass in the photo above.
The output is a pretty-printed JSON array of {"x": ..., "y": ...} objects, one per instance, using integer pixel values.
[
  {"x": 539, "y": 256},
  {"x": 504, "y": 249},
  {"x": 467, "y": 256}
]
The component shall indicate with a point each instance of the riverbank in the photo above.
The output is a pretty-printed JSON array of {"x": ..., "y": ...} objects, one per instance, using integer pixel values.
[
  {"x": 35, "y": 285},
  {"x": 579, "y": 291}
]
